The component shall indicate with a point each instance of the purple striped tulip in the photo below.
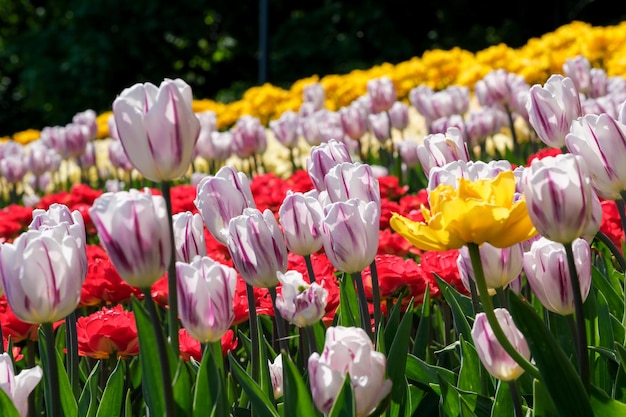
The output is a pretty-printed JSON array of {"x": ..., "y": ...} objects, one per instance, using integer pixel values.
[
  {"x": 600, "y": 140},
  {"x": 300, "y": 303},
  {"x": 382, "y": 93},
  {"x": 500, "y": 266},
  {"x": 491, "y": 353},
  {"x": 285, "y": 129},
  {"x": 221, "y": 197},
  {"x": 399, "y": 115},
  {"x": 188, "y": 236},
  {"x": 300, "y": 216},
  {"x": 133, "y": 227},
  {"x": 498, "y": 88},
  {"x": 354, "y": 120},
  {"x": 548, "y": 274},
  {"x": 348, "y": 351},
  {"x": 352, "y": 180},
  {"x": 257, "y": 247},
  {"x": 315, "y": 94},
  {"x": 204, "y": 144},
  {"x": 350, "y": 234},
  {"x": 438, "y": 149},
  {"x": 578, "y": 69},
  {"x": 559, "y": 197},
  {"x": 249, "y": 137},
  {"x": 552, "y": 108},
  {"x": 276, "y": 375},
  {"x": 323, "y": 157},
  {"x": 18, "y": 387},
  {"x": 380, "y": 125},
  {"x": 158, "y": 128},
  {"x": 206, "y": 291}
]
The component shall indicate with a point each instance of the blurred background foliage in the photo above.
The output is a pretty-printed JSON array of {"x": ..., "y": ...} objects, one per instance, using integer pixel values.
[{"x": 60, "y": 57}]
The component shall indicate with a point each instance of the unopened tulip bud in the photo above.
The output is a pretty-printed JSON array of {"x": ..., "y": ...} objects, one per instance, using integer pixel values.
[
  {"x": 299, "y": 303},
  {"x": 300, "y": 216},
  {"x": 188, "y": 236}
]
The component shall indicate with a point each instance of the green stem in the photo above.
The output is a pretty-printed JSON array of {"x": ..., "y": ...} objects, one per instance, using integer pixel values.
[
  {"x": 475, "y": 299},
  {"x": 375, "y": 296},
  {"x": 581, "y": 339},
  {"x": 517, "y": 399},
  {"x": 483, "y": 293},
  {"x": 71, "y": 341},
  {"x": 164, "y": 364},
  {"x": 620, "y": 209},
  {"x": 280, "y": 324},
  {"x": 254, "y": 333},
  {"x": 309, "y": 333},
  {"x": 52, "y": 379},
  {"x": 172, "y": 295},
  {"x": 602, "y": 237},
  {"x": 366, "y": 322},
  {"x": 513, "y": 133},
  {"x": 309, "y": 268}
]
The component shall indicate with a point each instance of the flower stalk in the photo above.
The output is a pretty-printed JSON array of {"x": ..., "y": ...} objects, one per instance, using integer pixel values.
[
  {"x": 53, "y": 406},
  {"x": 366, "y": 323},
  {"x": 172, "y": 296}
]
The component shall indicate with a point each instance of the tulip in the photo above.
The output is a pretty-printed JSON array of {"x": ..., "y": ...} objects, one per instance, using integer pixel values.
[
  {"x": 118, "y": 157},
  {"x": 442, "y": 124},
  {"x": 323, "y": 158},
  {"x": 18, "y": 387},
  {"x": 299, "y": 303},
  {"x": 498, "y": 88},
  {"x": 188, "y": 236},
  {"x": 494, "y": 358},
  {"x": 285, "y": 129},
  {"x": 300, "y": 216},
  {"x": 249, "y": 137},
  {"x": 380, "y": 126},
  {"x": 352, "y": 180},
  {"x": 382, "y": 93},
  {"x": 276, "y": 375},
  {"x": 484, "y": 210},
  {"x": 399, "y": 115},
  {"x": 407, "y": 149},
  {"x": 434, "y": 105},
  {"x": 600, "y": 140},
  {"x": 350, "y": 234},
  {"x": 221, "y": 197},
  {"x": 42, "y": 273},
  {"x": 315, "y": 94},
  {"x": 89, "y": 119},
  {"x": 552, "y": 108},
  {"x": 158, "y": 128},
  {"x": 206, "y": 289},
  {"x": 438, "y": 149},
  {"x": 76, "y": 138},
  {"x": 501, "y": 266},
  {"x": 40, "y": 158},
  {"x": 354, "y": 120},
  {"x": 559, "y": 197},
  {"x": 578, "y": 69},
  {"x": 348, "y": 351},
  {"x": 257, "y": 247},
  {"x": 204, "y": 144},
  {"x": 548, "y": 275},
  {"x": 133, "y": 227}
]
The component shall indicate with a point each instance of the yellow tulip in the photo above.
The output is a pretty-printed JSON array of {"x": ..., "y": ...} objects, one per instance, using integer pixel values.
[{"x": 474, "y": 212}]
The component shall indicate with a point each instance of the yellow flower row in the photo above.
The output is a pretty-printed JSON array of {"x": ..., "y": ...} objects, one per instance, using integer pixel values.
[{"x": 604, "y": 46}]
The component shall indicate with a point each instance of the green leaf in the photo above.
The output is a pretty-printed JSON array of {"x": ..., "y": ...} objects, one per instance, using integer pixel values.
[
  {"x": 449, "y": 401},
  {"x": 344, "y": 405},
  {"x": 422, "y": 336},
  {"x": 88, "y": 400},
  {"x": 152, "y": 381},
  {"x": 425, "y": 374},
  {"x": 113, "y": 395},
  {"x": 503, "y": 404},
  {"x": 348, "y": 311},
  {"x": 393, "y": 321},
  {"x": 542, "y": 403},
  {"x": 262, "y": 405},
  {"x": 398, "y": 353},
  {"x": 7, "y": 409},
  {"x": 470, "y": 372},
  {"x": 614, "y": 299},
  {"x": 128, "y": 406},
  {"x": 208, "y": 388},
  {"x": 603, "y": 406},
  {"x": 182, "y": 389},
  {"x": 460, "y": 305},
  {"x": 570, "y": 399},
  {"x": 298, "y": 401}
]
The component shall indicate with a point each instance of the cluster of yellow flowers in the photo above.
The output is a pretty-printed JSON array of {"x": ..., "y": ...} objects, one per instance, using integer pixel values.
[{"x": 604, "y": 46}]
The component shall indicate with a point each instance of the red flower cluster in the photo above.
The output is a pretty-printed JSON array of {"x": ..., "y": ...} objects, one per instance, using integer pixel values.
[
  {"x": 191, "y": 348},
  {"x": 110, "y": 331}
]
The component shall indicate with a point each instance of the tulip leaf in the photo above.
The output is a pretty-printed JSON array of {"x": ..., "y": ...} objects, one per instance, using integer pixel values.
[
  {"x": 344, "y": 405},
  {"x": 88, "y": 400},
  {"x": 7, "y": 409},
  {"x": 349, "y": 315},
  {"x": 542, "y": 403},
  {"x": 614, "y": 299},
  {"x": 298, "y": 401},
  {"x": 209, "y": 387},
  {"x": 569, "y": 399},
  {"x": 398, "y": 353},
  {"x": 470, "y": 372},
  {"x": 422, "y": 336},
  {"x": 128, "y": 406},
  {"x": 152, "y": 381},
  {"x": 260, "y": 403},
  {"x": 393, "y": 320},
  {"x": 182, "y": 389},
  {"x": 603, "y": 405},
  {"x": 503, "y": 403},
  {"x": 113, "y": 395},
  {"x": 460, "y": 305},
  {"x": 425, "y": 374}
]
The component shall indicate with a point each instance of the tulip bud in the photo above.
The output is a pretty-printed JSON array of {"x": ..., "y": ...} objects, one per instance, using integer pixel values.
[
  {"x": 133, "y": 227},
  {"x": 323, "y": 158},
  {"x": 89, "y": 119},
  {"x": 205, "y": 291},
  {"x": 300, "y": 216},
  {"x": 380, "y": 125},
  {"x": 500, "y": 266},
  {"x": 383, "y": 94},
  {"x": 276, "y": 375},
  {"x": 559, "y": 196},
  {"x": 579, "y": 70},
  {"x": 354, "y": 120},
  {"x": 249, "y": 137},
  {"x": 285, "y": 129},
  {"x": 407, "y": 149},
  {"x": 399, "y": 115},
  {"x": 204, "y": 144},
  {"x": 348, "y": 350},
  {"x": 315, "y": 94},
  {"x": 299, "y": 303},
  {"x": 188, "y": 236},
  {"x": 491, "y": 353},
  {"x": 18, "y": 387},
  {"x": 548, "y": 274},
  {"x": 221, "y": 197},
  {"x": 257, "y": 247},
  {"x": 601, "y": 142},
  {"x": 438, "y": 149},
  {"x": 498, "y": 87},
  {"x": 352, "y": 180},
  {"x": 158, "y": 128},
  {"x": 350, "y": 234}
]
